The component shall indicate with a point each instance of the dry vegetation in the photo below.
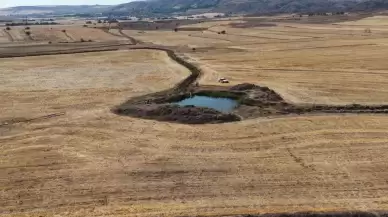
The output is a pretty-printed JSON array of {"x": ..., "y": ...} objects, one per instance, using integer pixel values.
[
  {"x": 66, "y": 33},
  {"x": 92, "y": 34},
  {"x": 64, "y": 153}
]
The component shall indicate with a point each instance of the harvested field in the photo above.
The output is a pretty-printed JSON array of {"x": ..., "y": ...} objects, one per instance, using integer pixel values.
[
  {"x": 71, "y": 79},
  {"x": 281, "y": 165},
  {"x": 38, "y": 49},
  {"x": 58, "y": 33},
  {"x": 18, "y": 35},
  {"x": 76, "y": 33},
  {"x": 172, "y": 38},
  {"x": 369, "y": 21},
  {"x": 157, "y": 25},
  {"x": 4, "y": 36},
  {"x": 64, "y": 153},
  {"x": 50, "y": 34}
]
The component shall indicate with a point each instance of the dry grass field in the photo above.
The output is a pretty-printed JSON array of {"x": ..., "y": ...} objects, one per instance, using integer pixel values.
[
  {"x": 92, "y": 34},
  {"x": 4, "y": 37},
  {"x": 56, "y": 33},
  {"x": 306, "y": 63},
  {"x": 64, "y": 153}
]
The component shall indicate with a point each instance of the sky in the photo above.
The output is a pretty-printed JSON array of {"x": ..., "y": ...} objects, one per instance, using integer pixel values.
[{"x": 11, "y": 3}]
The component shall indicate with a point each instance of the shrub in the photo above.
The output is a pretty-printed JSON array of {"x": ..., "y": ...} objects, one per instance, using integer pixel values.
[
  {"x": 90, "y": 40},
  {"x": 85, "y": 25},
  {"x": 28, "y": 33},
  {"x": 8, "y": 28},
  {"x": 27, "y": 28},
  {"x": 50, "y": 42},
  {"x": 223, "y": 32},
  {"x": 83, "y": 40},
  {"x": 88, "y": 22},
  {"x": 194, "y": 49},
  {"x": 63, "y": 30},
  {"x": 176, "y": 29}
]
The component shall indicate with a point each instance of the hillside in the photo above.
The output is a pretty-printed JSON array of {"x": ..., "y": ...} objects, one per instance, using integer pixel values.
[
  {"x": 247, "y": 6},
  {"x": 168, "y": 7},
  {"x": 59, "y": 9}
]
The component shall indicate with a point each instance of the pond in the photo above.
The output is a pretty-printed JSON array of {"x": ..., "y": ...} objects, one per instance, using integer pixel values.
[{"x": 225, "y": 105}]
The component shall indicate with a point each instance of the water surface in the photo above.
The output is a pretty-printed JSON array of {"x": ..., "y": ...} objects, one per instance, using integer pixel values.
[{"x": 220, "y": 104}]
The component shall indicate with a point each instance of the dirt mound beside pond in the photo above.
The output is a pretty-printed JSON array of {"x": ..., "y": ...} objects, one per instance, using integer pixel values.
[
  {"x": 257, "y": 93},
  {"x": 175, "y": 113}
]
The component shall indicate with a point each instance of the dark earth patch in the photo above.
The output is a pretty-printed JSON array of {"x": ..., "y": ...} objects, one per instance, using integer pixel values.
[{"x": 252, "y": 24}]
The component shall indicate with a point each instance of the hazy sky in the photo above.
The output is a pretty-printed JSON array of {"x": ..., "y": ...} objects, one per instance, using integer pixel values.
[{"x": 10, "y": 3}]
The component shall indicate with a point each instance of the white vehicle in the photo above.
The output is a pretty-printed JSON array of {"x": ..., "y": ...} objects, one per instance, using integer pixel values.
[{"x": 223, "y": 80}]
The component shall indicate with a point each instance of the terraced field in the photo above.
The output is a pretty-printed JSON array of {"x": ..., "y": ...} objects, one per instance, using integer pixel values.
[{"x": 63, "y": 152}]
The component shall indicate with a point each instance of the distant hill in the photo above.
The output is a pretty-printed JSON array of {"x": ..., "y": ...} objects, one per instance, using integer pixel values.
[
  {"x": 247, "y": 6},
  {"x": 57, "y": 10},
  {"x": 169, "y": 7}
]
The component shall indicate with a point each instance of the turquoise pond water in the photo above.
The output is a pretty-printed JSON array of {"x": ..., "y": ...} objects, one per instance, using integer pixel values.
[{"x": 220, "y": 104}]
